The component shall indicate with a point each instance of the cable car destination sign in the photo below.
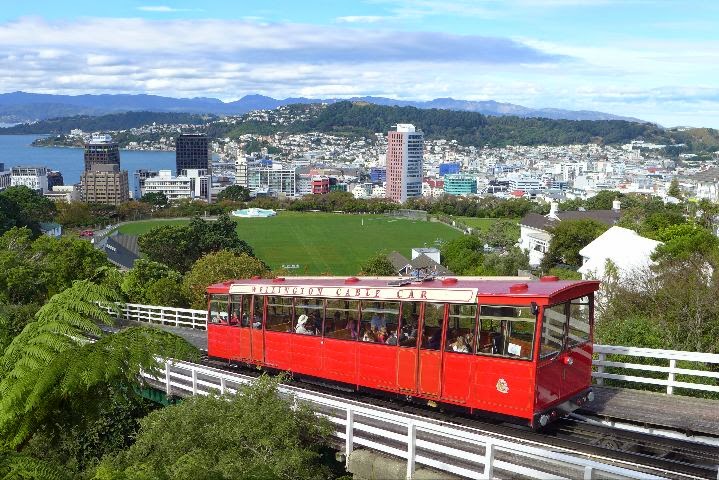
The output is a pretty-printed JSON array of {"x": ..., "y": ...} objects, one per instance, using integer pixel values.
[{"x": 453, "y": 295}]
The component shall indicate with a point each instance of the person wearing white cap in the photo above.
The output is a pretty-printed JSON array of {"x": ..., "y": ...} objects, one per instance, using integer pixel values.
[{"x": 300, "y": 328}]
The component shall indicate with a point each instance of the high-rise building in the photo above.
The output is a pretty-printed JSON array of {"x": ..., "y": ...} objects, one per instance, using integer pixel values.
[
  {"x": 276, "y": 181},
  {"x": 54, "y": 179},
  {"x": 241, "y": 171},
  {"x": 404, "y": 163},
  {"x": 378, "y": 174},
  {"x": 192, "y": 151},
  {"x": 101, "y": 150},
  {"x": 35, "y": 178},
  {"x": 106, "y": 184}
]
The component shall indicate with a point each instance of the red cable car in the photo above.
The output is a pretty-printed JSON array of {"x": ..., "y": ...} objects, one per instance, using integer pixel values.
[{"x": 520, "y": 350}]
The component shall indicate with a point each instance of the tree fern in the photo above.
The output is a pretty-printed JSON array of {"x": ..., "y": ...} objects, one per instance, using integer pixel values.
[
  {"x": 17, "y": 466},
  {"x": 52, "y": 359}
]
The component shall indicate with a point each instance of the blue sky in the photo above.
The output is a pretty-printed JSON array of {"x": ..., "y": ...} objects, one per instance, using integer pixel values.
[{"x": 652, "y": 59}]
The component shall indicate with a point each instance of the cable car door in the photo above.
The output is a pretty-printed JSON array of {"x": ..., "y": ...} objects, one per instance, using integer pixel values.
[
  {"x": 550, "y": 364},
  {"x": 240, "y": 307},
  {"x": 430, "y": 349},
  {"x": 407, "y": 354},
  {"x": 256, "y": 334}
]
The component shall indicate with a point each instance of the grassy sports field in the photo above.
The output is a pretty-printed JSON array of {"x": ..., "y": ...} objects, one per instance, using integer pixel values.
[
  {"x": 325, "y": 242},
  {"x": 483, "y": 224}
]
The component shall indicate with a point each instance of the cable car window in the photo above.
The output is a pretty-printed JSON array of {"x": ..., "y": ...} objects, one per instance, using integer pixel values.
[
  {"x": 579, "y": 326},
  {"x": 410, "y": 324},
  {"x": 235, "y": 309},
  {"x": 218, "y": 309},
  {"x": 379, "y": 322},
  {"x": 553, "y": 326},
  {"x": 506, "y": 331},
  {"x": 343, "y": 318},
  {"x": 258, "y": 305},
  {"x": 309, "y": 314},
  {"x": 432, "y": 328},
  {"x": 279, "y": 314},
  {"x": 461, "y": 323}
]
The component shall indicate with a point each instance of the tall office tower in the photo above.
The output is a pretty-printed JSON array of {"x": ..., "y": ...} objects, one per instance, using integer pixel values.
[
  {"x": 101, "y": 150},
  {"x": 105, "y": 184},
  {"x": 192, "y": 151},
  {"x": 404, "y": 163},
  {"x": 241, "y": 171}
]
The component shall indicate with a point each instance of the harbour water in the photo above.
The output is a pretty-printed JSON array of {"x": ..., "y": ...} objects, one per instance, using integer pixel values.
[{"x": 17, "y": 150}]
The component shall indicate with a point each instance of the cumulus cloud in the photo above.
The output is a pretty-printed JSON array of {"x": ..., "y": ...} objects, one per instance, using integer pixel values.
[{"x": 165, "y": 9}]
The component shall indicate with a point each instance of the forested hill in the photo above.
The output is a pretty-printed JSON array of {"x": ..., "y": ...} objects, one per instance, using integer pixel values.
[
  {"x": 471, "y": 128},
  {"x": 114, "y": 121}
]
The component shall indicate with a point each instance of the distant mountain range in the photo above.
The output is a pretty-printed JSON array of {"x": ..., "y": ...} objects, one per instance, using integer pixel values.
[{"x": 20, "y": 107}]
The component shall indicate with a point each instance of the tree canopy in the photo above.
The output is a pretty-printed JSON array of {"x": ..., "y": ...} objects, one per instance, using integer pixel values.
[
  {"x": 219, "y": 267},
  {"x": 179, "y": 246},
  {"x": 251, "y": 435},
  {"x": 236, "y": 193},
  {"x": 378, "y": 266},
  {"x": 568, "y": 238}
]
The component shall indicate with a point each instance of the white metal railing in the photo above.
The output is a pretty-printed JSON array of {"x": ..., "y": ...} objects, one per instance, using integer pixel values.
[
  {"x": 641, "y": 373},
  {"x": 463, "y": 451},
  {"x": 156, "y": 314},
  {"x": 641, "y": 370}
]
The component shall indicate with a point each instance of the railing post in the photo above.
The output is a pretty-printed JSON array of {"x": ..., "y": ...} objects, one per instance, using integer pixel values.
[
  {"x": 489, "y": 460},
  {"x": 194, "y": 381},
  {"x": 600, "y": 368},
  {"x": 588, "y": 472},
  {"x": 177, "y": 318},
  {"x": 168, "y": 387},
  {"x": 222, "y": 385},
  {"x": 670, "y": 386},
  {"x": 349, "y": 434},
  {"x": 411, "y": 448}
]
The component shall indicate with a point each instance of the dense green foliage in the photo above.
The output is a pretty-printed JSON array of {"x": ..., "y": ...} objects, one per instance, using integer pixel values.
[
  {"x": 113, "y": 121},
  {"x": 466, "y": 256},
  {"x": 377, "y": 266},
  {"x": 156, "y": 199},
  {"x": 23, "y": 207},
  {"x": 487, "y": 207},
  {"x": 139, "y": 284},
  {"x": 256, "y": 434},
  {"x": 568, "y": 238},
  {"x": 219, "y": 267},
  {"x": 236, "y": 193},
  {"x": 33, "y": 270},
  {"x": 179, "y": 246}
]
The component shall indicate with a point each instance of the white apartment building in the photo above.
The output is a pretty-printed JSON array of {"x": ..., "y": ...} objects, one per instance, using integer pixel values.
[
  {"x": 525, "y": 183},
  {"x": 34, "y": 178},
  {"x": 63, "y": 193},
  {"x": 276, "y": 181},
  {"x": 192, "y": 184}
]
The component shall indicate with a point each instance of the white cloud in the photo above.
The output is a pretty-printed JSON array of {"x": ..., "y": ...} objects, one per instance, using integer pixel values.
[
  {"x": 361, "y": 19},
  {"x": 166, "y": 9},
  {"x": 227, "y": 59}
]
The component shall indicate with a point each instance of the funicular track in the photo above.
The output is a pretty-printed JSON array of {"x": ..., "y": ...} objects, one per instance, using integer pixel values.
[{"x": 654, "y": 455}]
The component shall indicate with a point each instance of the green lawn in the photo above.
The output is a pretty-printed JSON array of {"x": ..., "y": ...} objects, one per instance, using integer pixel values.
[
  {"x": 325, "y": 242},
  {"x": 483, "y": 224}
]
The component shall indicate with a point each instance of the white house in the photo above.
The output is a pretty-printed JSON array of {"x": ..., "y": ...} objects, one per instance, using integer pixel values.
[{"x": 625, "y": 248}]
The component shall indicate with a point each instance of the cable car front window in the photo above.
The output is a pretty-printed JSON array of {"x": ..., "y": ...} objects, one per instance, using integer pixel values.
[
  {"x": 218, "y": 310},
  {"x": 554, "y": 323},
  {"x": 579, "y": 321},
  {"x": 506, "y": 331}
]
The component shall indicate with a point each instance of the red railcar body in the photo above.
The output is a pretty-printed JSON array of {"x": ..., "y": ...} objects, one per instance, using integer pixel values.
[{"x": 507, "y": 347}]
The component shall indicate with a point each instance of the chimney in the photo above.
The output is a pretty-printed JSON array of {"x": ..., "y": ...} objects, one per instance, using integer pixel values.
[{"x": 616, "y": 205}]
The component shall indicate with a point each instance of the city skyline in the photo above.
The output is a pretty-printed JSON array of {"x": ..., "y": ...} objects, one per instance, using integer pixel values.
[{"x": 649, "y": 59}]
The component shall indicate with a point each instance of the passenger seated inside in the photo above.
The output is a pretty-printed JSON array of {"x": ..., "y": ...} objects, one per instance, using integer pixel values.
[
  {"x": 381, "y": 335},
  {"x": 368, "y": 335},
  {"x": 408, "y": 335},
  {"x": 391, "y": 338},
  {"x": 459, "y": 345},
  {"x": 302, "y": 327}
]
